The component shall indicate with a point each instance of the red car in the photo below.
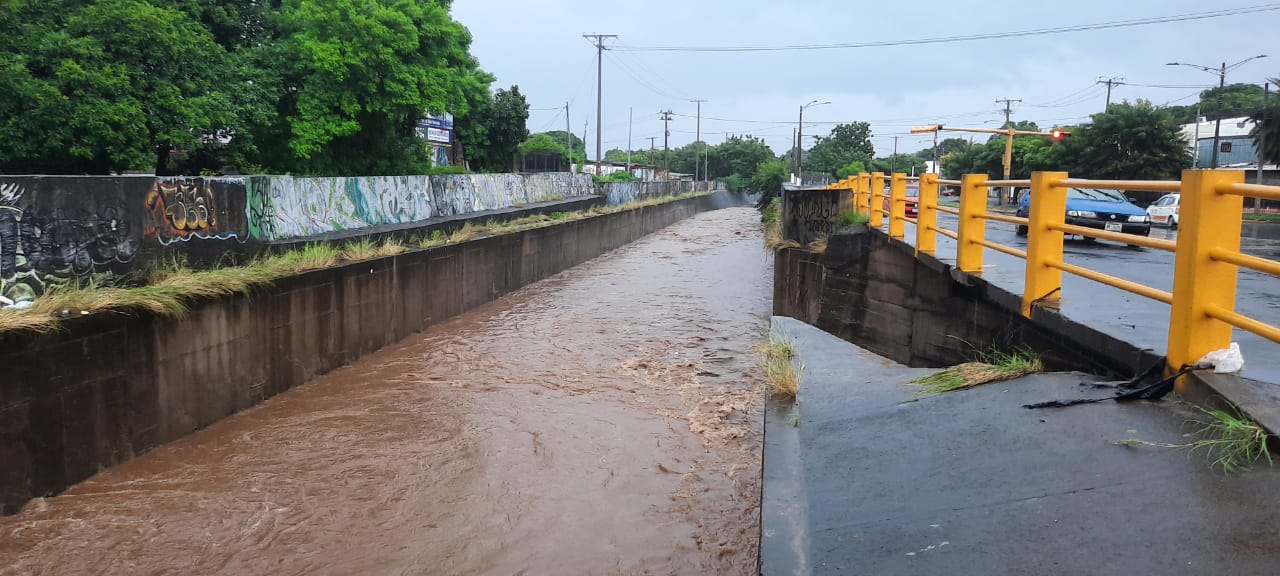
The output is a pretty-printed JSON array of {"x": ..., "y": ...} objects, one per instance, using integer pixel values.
[{"x": 913, "y": 198}]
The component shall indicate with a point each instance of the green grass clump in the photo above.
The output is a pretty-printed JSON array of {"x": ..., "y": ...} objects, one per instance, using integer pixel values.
[
  {"x": 1232, "y": 441},
  {"x": 851, "y": 218},
  {"x": 993, "y": 366}
]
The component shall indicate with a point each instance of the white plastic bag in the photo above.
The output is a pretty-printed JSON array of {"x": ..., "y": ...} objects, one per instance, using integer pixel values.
[{"x": 1225, "y": 361}]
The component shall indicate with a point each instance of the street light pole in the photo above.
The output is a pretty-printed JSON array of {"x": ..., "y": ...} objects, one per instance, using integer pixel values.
[
  {"x": 800, "y": 137},
  {"x": 1221, "y": 72}
]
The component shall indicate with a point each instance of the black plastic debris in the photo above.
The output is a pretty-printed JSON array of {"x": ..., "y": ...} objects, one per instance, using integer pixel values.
[{"x": 1147, "y": 386}]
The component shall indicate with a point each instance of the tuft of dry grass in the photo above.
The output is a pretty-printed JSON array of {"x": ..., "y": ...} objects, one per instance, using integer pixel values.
[
  {"x": 777, "y": 357},
  {"x": 367, "y": 249},
  {"x": 819, "y": 245},
  {"x": 313, "y": 256},
  {"x": 27, "y": 321},
  {"x": 996, "y": 366},
  {"x": 468, "y": 231},
  {"x": 773, "y": 239}
]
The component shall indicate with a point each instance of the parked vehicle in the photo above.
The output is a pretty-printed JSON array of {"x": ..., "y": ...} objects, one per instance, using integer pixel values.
[
  {"x": 1101, "y": 209},
  {"x": 1165, "y": 211},
  {"x": 913, "y": 200}
]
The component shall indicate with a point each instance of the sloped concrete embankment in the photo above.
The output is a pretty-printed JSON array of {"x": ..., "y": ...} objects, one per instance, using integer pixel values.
[{"x": 111, "y": 386}]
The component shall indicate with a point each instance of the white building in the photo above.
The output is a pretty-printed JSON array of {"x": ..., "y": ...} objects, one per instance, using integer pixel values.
[{"x": 1236, "y": 148}]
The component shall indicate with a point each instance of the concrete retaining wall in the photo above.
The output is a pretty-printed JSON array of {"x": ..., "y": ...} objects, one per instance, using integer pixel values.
[
  {"x": 112, "y": 386},
  {"x": 876, "y": 293}
]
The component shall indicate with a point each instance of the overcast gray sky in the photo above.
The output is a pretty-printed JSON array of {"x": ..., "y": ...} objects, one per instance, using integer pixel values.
[{"x": 538, "y": 45}]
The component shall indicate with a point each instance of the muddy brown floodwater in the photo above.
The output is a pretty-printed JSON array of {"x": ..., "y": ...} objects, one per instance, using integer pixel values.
[{"x": 604, "y": 421}]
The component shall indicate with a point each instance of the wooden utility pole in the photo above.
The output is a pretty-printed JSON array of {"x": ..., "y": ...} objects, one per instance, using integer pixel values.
[{"x": 599, "y": 43}]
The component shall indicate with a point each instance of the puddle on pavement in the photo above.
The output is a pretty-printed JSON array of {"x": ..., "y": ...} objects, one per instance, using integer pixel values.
[{"x": 604, "y": 421}]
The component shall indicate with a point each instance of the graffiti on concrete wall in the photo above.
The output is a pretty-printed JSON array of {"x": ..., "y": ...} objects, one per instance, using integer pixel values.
[
  {"x": 181, "y": 209},
  {"x": 311, "y": 206},
  {"x": 53, "y": 242},
  {"x": 55, "y": 230}
]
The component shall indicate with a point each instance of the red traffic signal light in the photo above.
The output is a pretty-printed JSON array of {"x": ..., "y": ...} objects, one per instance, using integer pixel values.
[{"x": 1058, "y": 135}]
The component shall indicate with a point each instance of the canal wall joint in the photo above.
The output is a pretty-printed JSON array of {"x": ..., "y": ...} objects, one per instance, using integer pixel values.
[
  {"x": 110, "y": 386},
  {"x": 919, "y": 311}
]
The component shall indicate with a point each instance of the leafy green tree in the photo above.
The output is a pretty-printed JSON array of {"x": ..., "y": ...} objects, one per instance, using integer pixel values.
[
  {"x": 1266, "y": 131},
  {"x": 1237, "y": 100},
  {"x": 851, "y": 169},
  {"x": 507, "y": 126},
  {"x": 846, "y": 143},
  {"x": 946, "y": 146},
  {"x": 542, "y": 144},
  {"x": 107, "y": 86},
  {"x": 1129, "y": 141},
  {"x": 578, "y": 148},
  {"x": 353, "y": 77},
  {"x": 740, "y": 156},
  {"x": 768, "y": 179},
  {"x": 904, "y": 163}
]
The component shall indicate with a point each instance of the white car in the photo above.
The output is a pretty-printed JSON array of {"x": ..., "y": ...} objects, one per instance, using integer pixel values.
[{"x": 1165, "y": 211}]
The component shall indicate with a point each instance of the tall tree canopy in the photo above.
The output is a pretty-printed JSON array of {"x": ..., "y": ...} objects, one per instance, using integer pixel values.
[
  {"x": 275, "y": 85},
  {"x": 846, "y": 143}
]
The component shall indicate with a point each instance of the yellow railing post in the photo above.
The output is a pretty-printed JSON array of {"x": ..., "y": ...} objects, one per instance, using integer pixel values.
[
  {"x": 898, "y": 205},
  {"x": 972, "y": 229},
  {"x": 1207, "y": 220},
  {"x": 1044, "y": 245},
  {"x": 877, "y": 199},
  {"x": 927, "y": 215},
  {"x": 864, "y": 192}
]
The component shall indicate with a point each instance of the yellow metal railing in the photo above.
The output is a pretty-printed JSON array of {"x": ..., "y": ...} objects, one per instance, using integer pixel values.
[{"x": 1207, "y": 253}]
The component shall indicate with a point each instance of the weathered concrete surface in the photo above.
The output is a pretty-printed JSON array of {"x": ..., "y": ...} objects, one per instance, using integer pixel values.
[
  {"x": 875, "y": 293},
  {"x": 111, "y": 386},
  {"x": 870, "y": 481}
]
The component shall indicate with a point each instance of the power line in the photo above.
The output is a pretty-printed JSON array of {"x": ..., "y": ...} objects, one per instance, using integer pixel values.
[
  {"x": 639, "y": 78},
  {"x": 989, "y": 36},
  {"x": 1171, "y": 86}
]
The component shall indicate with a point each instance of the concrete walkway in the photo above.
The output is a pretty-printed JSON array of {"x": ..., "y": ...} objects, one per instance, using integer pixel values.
[{"x": 863, "y": 477}]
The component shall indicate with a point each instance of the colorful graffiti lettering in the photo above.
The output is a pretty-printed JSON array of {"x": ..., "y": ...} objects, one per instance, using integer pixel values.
[{"x": 183, "y": 209}]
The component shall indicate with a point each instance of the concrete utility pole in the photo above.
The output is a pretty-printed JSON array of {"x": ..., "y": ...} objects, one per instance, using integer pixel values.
[
  {"x": 699, "y": 139},
  {"x": 599, "y": 42},
  {"x": 1262, "y": 143},
  {"x": 1221, "y": 72},
  {"x": 630, "y": 115},
  {"x": 895, "y": 155},
  {"x": 568, "y": 137},
  {"x": 1110, "y": 82},
  {"x": 584, "y": 150},
  {"x": 666, "y": 142}
]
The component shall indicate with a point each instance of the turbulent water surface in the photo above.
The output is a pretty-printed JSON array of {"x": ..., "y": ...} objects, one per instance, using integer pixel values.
[{"x": 605, "y": 421}]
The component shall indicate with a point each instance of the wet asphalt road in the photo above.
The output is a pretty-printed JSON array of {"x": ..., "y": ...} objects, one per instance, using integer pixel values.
[{"x": 1134, "y": 318}]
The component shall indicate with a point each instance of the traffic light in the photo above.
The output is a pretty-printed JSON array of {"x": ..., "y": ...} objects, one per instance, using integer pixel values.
[{"x": 1059, "y": 135}]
